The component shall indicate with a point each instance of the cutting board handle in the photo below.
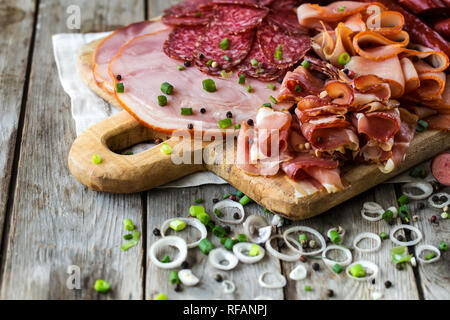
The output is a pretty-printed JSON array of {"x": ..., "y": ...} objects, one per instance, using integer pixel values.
[{"x": 119, "y": 173}]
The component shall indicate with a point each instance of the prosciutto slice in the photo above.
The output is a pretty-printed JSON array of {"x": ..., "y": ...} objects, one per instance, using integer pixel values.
[
  {"x": 108, "y": 48},
  {"x": 379, "y": 126},
  {"x": 143, "y": 67}
]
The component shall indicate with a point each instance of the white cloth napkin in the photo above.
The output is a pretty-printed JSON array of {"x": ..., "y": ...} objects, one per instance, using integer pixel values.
[{"x": 88, "y": 108}]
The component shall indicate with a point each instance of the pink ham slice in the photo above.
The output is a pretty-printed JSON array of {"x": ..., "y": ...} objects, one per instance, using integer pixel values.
[
  {"x": 108, "y": 48},
  {"x": 144, "y": 66}
]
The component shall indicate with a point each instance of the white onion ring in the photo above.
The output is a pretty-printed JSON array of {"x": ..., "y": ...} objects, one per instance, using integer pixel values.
[
  {"x": 260, "y": 225},
  {"x": 366, "y": 265},
  {"x": 278, "y": 285},
  {"x": 403, "y": 243},
  {"x": 228, "y": 286},
  {"x": 335, "y": 229},
  {"x": 187, "y": 277},
  {"x": 424, "y": 247},
  {"x": 219, "y": 254},
  {"x": 227, "y": 203},
  {"x": 279, "y": 255},
  {"x": 442, "y": 205},
  {"x": 425, "y": 187},
  {"x": 299, "y": 273},
  {"x": 241, "y": 246},
  {"x": 189, "y": 221},
  {"x": 367, "y": 235},
  {"x": 306, "y": 229},
  {"x": 330, "y": 262},
  {"x": 177, "y": 242},
  {"x": 372, "y": 207}
]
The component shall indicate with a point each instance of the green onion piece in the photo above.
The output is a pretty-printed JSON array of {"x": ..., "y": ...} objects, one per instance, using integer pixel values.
[
  {"x": 267, "y": 105},
  {"x": 217, "y": 212},
  {"x": 209, "y": 62},
  {"x": 430, "y": 256},
  {"x": 166, "y": 259},
  {"x": 166, "y": 88},
  {"x": 242, "y": 237},
  {"x": 222, "y": 240},
  {"x": 195, "y": 210},
  {"x": 209, "y": 85},
  {"x": 267, "y": 211},
  {"x": 383, "y": 236},
  {"x": 205, "y": 246},
  {"x": 443, "y": 246},
  {"x": 357, "y": 270},
  {"x": 254, "y": 250},
  {"x": 254, "y": 62},
  {"x": 226, "y": 57},
  {"x": 186, "y": 111},
  {"x": 128, "y": 236},
  {"x": 180, "y": 67},
  {"x": 129, "y": 244},
  {"x": 337, "y": 268},
  {"x": 210, "y": 226},
  {"x": 305, "y": 64},
  {"x": 298, "y": 88},
  {"x": 342, "y": 8},
  {"x": 203, "y": 217},
  {"x": 273, "y": 100},
  {"x": 308, "y": 288},
  {"x": 403, "y": 199},
  {"x": 444, "y": 215},
  {"x": 96, "y": 159},
  {"x": 245, "y": 200},
  {"x": 198, "y": 200},
  {"x": 173, "y": 277},
  {"x": 128, "y": 224},
  {"x": 335, "y": 237},
  {"x": 225, "y": 123},
  {"x": 160, "y": 296},
  {"x": 165, "y": 148},
  {"x": 278, "y": 53},
  {"x": 162, "y": 100},
  {"x": 224, "y": 44},
  {"x": 343, "y": 59},
  {"x": 239, "y": 194},
  {"x": 102, "y": 286},
  {"x": 237, "y": 126},
  {"x": 228, "y": 244},
  {"x": 404, "y": 213},
  {"x": 177, "y": 224},
  {"x": 226, "y": 196},
  {"x": 249, "y": 89},
  {"x": 302, "y": 237},
  {"x": 120, "y": 88},
  {"x": 271, "y": 86},
  {"x": 259, "y": 70},
  {"x": 219, "y": 231},
  {"x": 421, "y": 126},
  {"x": 418, "y": 172},
  {"x": 241, "y": 78},
  {"x": 388, "y": 215},
  {"x": 400, "y": 255},
  {"x": 129, "y": 153}
]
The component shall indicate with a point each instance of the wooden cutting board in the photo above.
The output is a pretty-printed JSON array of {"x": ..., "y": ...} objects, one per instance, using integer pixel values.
[{"x": 134, "y": 173}]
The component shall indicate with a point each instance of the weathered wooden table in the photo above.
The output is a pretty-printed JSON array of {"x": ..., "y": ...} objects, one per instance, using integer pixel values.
[{"x": 49, "y": 222}]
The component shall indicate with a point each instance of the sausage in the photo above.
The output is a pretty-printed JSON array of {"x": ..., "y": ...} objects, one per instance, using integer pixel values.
[
  {"x": 440, "y": 167},
  {"x": 443, "y": 27},
  {"x": 419, "y": 6}
]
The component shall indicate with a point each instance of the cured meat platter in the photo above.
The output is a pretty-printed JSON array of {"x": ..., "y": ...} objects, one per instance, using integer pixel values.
[{"x": 312, "y": 174}]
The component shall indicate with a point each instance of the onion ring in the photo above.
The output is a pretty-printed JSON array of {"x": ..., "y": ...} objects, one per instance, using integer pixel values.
[
  {"x": 299, "y": 273},
  {"x": 403, "y": 243},
  {"x": 177, "y": 242},
  {"x": 187, "y": 277},
  {"x": 424, "y": 247},
  {"x": 335, "y": 229},
  {"x": 241, "y": 246},
  {"x": 330, "y": 262},
  {"x": 219, "y": 254},
  {"x": 279, "y": 285},
  {"x": 279, "y": 255},
  {"x": 257, "y": 229},
  {"x": 366, "y": 265},
  {"x": 228, "y": 286},
  {"x": 189, "y": 221},
  {"x": 367, "y": 235},
  {"x": 442, "y": 205},
  {"x": 230, "y": 204},
  {"x": 372, "y": 207},
  {"x": 306, "y": 229},
  {"x": 425, "y": 187}
]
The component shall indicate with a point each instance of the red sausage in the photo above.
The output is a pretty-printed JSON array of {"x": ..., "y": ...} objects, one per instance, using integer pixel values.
[
  {"x": 443, "y": 27},
  {"x": 440, "y": 167},
  {"x": 419, "y": 6}
]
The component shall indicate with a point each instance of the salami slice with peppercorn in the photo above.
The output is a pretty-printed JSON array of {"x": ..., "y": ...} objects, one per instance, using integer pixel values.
[
  {"x": 280, "y": 48},
  {"x": 237, "y": 18},
  {"x": 212, "y": 56},
  {"x": 181, "y": 42}
]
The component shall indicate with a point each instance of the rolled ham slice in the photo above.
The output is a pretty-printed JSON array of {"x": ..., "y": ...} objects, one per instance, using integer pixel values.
[{"x": 143, "y": 67}]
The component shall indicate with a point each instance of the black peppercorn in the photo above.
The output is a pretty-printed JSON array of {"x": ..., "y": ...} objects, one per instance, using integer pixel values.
[
  {"x": 388, "y": 284},
  {"x": 250, "y": 122},
  {"x": 316, "y": 266},
  {"x": 185, "y": 265},
  {"x": 215, "y": 200},
  {"x": 435, "y": 198},
  {"x": 190, "y": 126},
  {"x": 187, "y": 63},
  {"x": 229, "y": 114},
  {"x": 280, "y": 80},
  {"x": 330, "y": 293},
  {"x": 421, "y": 206},
  {"x": 156, "y": 232},
  {"x": 373, "y": 281},
  {"x": 202, "y": 110},
  {"x": 400, "y": 238},
  {"x": 177, "y": 288},
  {"x": 119, "y": 77},
  {"x": 218, "y": 278},
  {"x": 236, "y": 215}
]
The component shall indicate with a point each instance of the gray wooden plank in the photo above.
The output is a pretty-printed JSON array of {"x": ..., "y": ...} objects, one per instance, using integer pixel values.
[
  {"x": 348, "y": 216},
  {"x": 16, "y": 22},
  {"x": 434, "y": 277},
  {"x": 56, "y": 222},
  {"x": 168, "y": 203},
  {"x": 155, "y": 7}
]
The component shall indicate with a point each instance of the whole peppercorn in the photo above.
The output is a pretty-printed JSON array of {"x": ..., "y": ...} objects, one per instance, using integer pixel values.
[
  {"x": 156, "y": 232},
  {"x": 421, "y": 206},
  {"x": 202, "y": 110},
  {"x": 316, "y": 266},
  {"x": 119, "y": 77},
  {"x": 388, "y": 284},
  {"x": 190, "y": 126},
  {"x": 229, "y": 114},
  {"x": 236, "y": 215},
  {"x": 400, "y": 238},
  {"x": 218, "y": 278},
  {"x": 330, "y": 293},
  {"x": 215, "y": 200},
  {"x": 250, "y": 122},
  {"x": 185, "y": 265},
  {"x": 433, "y": 219},
  {"x": 373, "y": 281},
  {"x": 187, "y": 63},
  {"x": 177, "y": 288}
]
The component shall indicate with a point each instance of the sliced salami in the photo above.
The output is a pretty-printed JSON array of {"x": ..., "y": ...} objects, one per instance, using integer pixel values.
[
  {"x": 254, "y": 3},
  {"x": 181, "y": 42},
  {"x": 285, "y": 4},
  {"x": 261, "y": 68},
  {"x": 188, "y": 8},
  {"x": 285, "y": 21},
  {"x": 237, "y": 18},
  {"x": 201, "y": 19},
  {"x": 208, "y": 52},
  {"x": 280, "y": 48}
]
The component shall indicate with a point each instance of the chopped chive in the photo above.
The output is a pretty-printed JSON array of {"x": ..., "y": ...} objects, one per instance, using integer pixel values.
[
  {"x": 274, "y": 101},
  {"x": 209, "y": 85},
  {"x": 337, "y": 268},
  {"x": 205, "y": 246},
  {"x": 219, "y": 231},
  {"x": 302, "y": 237},
  {"x": 245, "y": 200},
  {"x": 166, "y": 259},
  {"x": 403, "y": 199},
  {"x": 180, "y": 67},
  {"x": 342, "y": 8},
  {"x": 443, "y": 246},
  {"x": 228, "y": 244},
  {"x": 357, "y": 270},
  {"x": 162, "y": 100},
  {"x": 128, "y": 236},
  {"x": 254, "y": 250},
  {"x": 239, "y": 194},
  {"x": 128, "y": 153},
  {"x": 383, "y": 236},
  {"x": 226, "y": 196},
  {"x": 249, "y": 89},
  {"x": 266, "y": 105},
  {"x": 305, "y": 64},
  {"x": 186, "y": 111},
  {"x": 308, "y": 288},
  {"x": 343, "y": 59},
  {"x": 134, "y": 241},
  {"x": 166, "y": 88},
  {"x": 195, "y": 210},
  {"x": 267, "y": 211},
  {"x": 224, "y": 44},
  {"x": 173, "y": 277},
  {"x": 177, "y": 225},
  {"x": 241, "y": 237},
  {"x": 102, "y": 286},
  {"x": 241, "y": 78},
  {"x": 128, "y": 224},
  {"x": 226, "y": 57},
  {"x": 254, "y": 62},
  {"x": 160, "y": 296},
  {"x": 430, "y": 256},
  {"x": 278, "y": 53},
  {"x": 271, "y": 86},
  {"x": 203, "y": 217},
  {"x": 259, "y": 70},
  {"x": 209, "y": 62},
  {"x": 120, "y": 88},
  {"x": 225, "y": 123},
  {"x": 237, "y": 126},
  {"x": 96, "y": 159},
  {"x": 198, "y": 200},
  {"x": 298, "y": 88},
  {"x": 335, "y": 237},
  {"x": 218, "y": 213},
  {"x": 165, "y": 148}
]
